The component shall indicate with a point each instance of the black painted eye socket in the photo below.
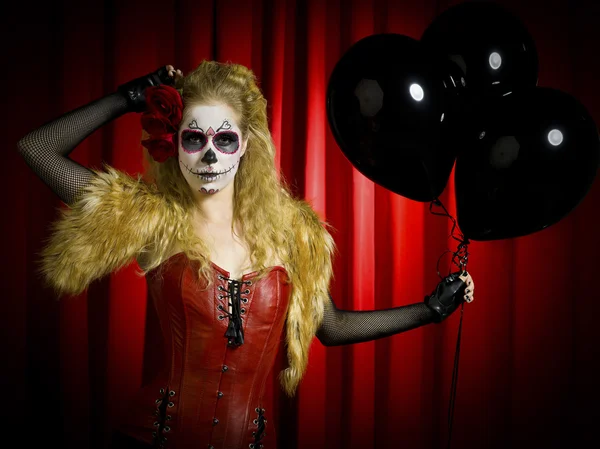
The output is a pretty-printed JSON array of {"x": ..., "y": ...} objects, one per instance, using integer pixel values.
[
  {"x": 193, "y": 140},
  {"x": 226, "y": 141}
]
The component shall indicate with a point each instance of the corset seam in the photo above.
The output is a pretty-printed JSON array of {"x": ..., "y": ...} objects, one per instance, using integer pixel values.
[
  {"x": 179, "y": 409},
  {"x": 262, "y": 355}
]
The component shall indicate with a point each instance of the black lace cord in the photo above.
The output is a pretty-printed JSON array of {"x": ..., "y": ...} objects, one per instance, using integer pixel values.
[
  {"x": 261, "y": 423},
  {"x": 163, "y": 403},
  {"x": 235, "y": 330},
  {"x": 459, "y": 258}
]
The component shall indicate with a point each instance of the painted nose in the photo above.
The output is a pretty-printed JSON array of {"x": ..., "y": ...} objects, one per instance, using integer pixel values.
[{"x": 209, "y": 157}]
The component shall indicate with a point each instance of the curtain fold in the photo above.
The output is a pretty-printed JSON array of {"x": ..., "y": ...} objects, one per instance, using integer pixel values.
[{"x": 528, "y": 360}]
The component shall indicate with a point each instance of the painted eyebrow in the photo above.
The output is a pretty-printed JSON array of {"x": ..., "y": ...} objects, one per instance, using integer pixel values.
[
  {"x": 194, "y": 125},
  {"x": 225, "y": 125}
]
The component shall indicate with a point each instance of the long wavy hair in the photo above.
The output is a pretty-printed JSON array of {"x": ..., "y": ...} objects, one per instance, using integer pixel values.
[{"x": 272, "y": 222}]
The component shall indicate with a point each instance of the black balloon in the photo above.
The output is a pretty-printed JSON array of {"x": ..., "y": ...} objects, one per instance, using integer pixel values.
[
  {"x": 388, "y": 104},
  {"x": 529, "y": 159},
  {"x": 492, "y": 47}
]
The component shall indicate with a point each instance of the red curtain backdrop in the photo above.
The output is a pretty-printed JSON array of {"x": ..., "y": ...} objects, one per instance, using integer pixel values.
[{"x": 528, "y": 372}]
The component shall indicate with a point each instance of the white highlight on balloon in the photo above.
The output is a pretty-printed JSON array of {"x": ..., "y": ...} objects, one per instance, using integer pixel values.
[
  {"x": 416, "y": 92},
  {"x": 442, "y": 117},
  {"x": 555, "y": 137},
  {"x": 495, "y": 60}
]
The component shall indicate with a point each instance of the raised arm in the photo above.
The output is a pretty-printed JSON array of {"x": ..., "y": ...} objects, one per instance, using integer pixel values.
[
  {"x": 341, "y": 327},
  {"x": 46, "y": 149}
]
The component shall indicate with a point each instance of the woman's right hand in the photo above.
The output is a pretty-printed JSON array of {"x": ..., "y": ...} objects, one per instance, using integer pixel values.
[
  {"x": 174, "y": 73},
  {"x": 134, "y": 90}
]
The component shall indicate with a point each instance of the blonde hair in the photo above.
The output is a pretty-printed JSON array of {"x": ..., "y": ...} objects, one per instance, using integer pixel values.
[{"x": 273, "y": 224}]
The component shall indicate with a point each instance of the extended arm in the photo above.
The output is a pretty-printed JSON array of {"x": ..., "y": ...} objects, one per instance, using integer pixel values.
[{"x": 341, "y": 327}]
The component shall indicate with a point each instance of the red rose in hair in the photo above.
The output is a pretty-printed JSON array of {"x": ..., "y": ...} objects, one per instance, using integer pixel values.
[
  {"x": 161, "y": 121},
  {"x": 156, "y": 125},
  {"x": 160, "y": 148},
  {"x": 166, "y": 102}
]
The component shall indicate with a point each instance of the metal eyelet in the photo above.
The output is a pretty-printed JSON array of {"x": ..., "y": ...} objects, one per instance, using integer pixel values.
[
  {"x": 220, "y": 287},
  {"x": 245, "y": 292},
  {"x": 244, "y": 300},
  {"x": 243, "y": 310},
  {"x": 220, "y": 307},
  {"x": 257, "y": 410},
  {"x": 167, "y": 429},
  {"x": 172, "y": 393},
  {"x": 220, "y": 296},
  {"x": 251, "y": 446},
  {"x": 156, "y": 424},
  {"x": 255, "y": 422},
  {"x": 248, "y": 282},
  {"x": 221, "y": 317},
  {"x": 170, "y": 404},
  {"x": 154, "y": 434},
  {"x": 158, "y": 401},
  {"x": 221, "y": 277},
  {"x": 253, "y": 434},
  {"x": 162, "y": 391},
  {"x": 169, "y": 417}
]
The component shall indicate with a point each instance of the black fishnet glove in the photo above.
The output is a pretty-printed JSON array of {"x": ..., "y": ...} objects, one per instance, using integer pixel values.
[
  {"x": 46, "y": 149},
  {"x": 342, "y": 327}
]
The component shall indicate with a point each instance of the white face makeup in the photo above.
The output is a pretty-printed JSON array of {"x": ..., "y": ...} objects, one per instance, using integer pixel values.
[{"x": 210, "y": 148}]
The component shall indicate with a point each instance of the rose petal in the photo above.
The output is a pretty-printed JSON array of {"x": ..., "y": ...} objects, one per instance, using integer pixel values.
[
  {"x": 156, "y": 125},
  {"x": 161, "y": 148}
]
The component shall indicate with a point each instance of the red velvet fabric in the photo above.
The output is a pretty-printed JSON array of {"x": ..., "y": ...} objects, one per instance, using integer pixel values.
[{"x": 528, "y": 370}]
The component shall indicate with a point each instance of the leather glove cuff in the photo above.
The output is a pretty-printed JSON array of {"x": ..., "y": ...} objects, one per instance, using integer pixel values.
[
  {"x": 447, "y": 296},
  {"x": 134, "y": 90}
]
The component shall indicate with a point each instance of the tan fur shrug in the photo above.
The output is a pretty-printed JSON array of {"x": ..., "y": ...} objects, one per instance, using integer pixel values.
[{"x": 117, "y": 217}]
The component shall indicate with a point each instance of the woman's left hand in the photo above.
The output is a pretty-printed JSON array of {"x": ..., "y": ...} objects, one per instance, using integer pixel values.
[{"x": 470, "y": 288}]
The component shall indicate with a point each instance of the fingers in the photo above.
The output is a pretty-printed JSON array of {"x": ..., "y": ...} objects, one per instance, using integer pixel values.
[
  {"x": 470, "y": 290},
  {"x": 173, "y": 73}
]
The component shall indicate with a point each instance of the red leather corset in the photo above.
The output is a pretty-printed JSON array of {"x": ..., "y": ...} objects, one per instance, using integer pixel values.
[{"x": 210, "y": 392}]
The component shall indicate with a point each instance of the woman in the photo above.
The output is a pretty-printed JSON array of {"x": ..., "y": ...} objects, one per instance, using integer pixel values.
[{"x": 231, "y": 259}]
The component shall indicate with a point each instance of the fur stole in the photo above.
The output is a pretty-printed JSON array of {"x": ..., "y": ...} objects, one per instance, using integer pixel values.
[
  {"x": 118, "y": 217},
  {"x": 115, "y": 219}
]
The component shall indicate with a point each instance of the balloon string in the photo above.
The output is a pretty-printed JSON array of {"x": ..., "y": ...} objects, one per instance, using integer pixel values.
[{"x": 460, "y": 258}]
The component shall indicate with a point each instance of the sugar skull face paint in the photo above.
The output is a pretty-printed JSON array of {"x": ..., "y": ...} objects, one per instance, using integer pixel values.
[{"x": 210, "y": 148}]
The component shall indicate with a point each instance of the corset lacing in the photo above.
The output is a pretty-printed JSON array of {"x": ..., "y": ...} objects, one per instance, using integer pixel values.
[
  {"x": 235, "y": 331},
  {"x": 162, "y": 404},
  {"x": 260, "y": 422}
]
